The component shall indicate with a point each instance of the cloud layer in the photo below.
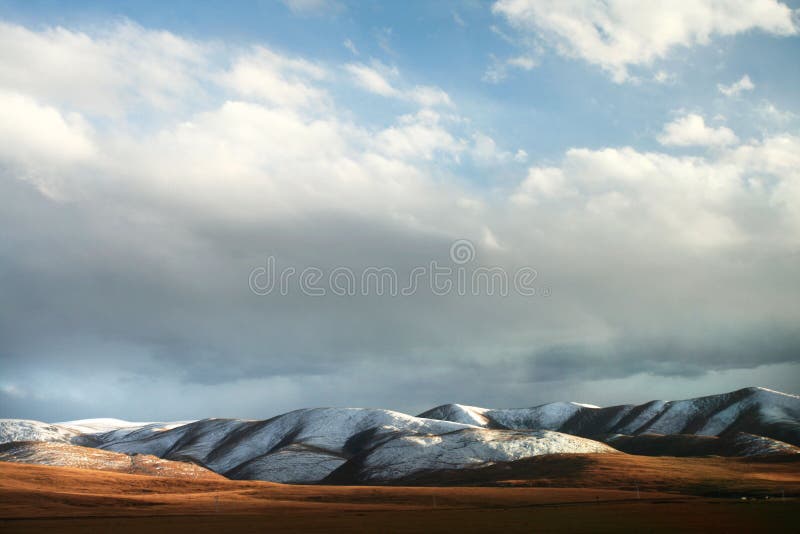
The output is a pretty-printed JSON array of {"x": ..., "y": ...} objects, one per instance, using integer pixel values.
[
  {"x": 617, "y": 35},
  {"x": 144, "y": 175}
]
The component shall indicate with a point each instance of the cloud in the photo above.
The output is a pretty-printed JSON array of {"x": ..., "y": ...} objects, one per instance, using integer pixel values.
[
  {"x": 485, "y": 151},
  {"x": 312, "y": 7},
  {"x": 769, "y": 113},
  {"x": 12, "y": 390},
  {"x": 617, "y": 35},
  {"x": 498, "y": 70},
  {"x": 429, "y": 96},
  {"x": 421, "y": 135},
  {"x": 383, "y": 36},
  {"x": 542, "y": 183},
  {"x": 664, "y": 77},
  {"x": 521, "y": 62},
  {"x": 691, "y": 130},
  {"x": 32, "y": 134},
  {"x": 270, "y": 77},
  {"x": 131, "y": 282},
  {"x": 376, "y": 79},
  {"x": 698, "y": 202},
  {"x": 121, "y": 68},
  {"x": 373, "y": 79},
  {"x": 736, "y": 88},
  {"x": 348, "y": 44}
]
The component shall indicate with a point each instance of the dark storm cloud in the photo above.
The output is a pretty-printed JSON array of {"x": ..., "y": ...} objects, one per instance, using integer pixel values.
[
  {"x": 93, "y": 293},
  {"x": 681, "y": 355}
]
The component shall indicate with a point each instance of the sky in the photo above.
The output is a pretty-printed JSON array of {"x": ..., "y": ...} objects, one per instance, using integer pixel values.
[{"x": 237, "y": 209}]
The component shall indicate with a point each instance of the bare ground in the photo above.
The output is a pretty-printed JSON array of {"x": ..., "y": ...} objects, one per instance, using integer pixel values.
[{"x": 62, "y": 499}]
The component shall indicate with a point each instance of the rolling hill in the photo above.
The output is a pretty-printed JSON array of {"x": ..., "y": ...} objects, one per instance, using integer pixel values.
[{"x": 374, "y": 446}]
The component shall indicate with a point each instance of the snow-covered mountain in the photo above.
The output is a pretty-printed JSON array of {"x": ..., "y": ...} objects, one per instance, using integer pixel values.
[
  {"x": 756, "y": 411},
  {"x": 308, "y": 445},
  {"x": 404, "y": 455},
  {"x": 27, "y": 430},
  {"x": 357, "y": 445}
]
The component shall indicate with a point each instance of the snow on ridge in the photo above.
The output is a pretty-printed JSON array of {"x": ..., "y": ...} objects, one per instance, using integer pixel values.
[
  {"x": 707, "y": 415},
  {"x": 467, "y": 448},
  {"x": 29, "y": 430},
  {"x": 585, "y": 405},
  {"x": 771, "y": 406},
  {"x": 326, "y": 429},
  {"x": 458, "y": 413},
  {"x": 551, "y": 416},
  {"x": 761, "y": 388},
  {"x": 101, "y": 421},
  {"x": 308, "y": 445},
  {"x": 98, "y": 425},
  {"x": 298, "y": 446}
]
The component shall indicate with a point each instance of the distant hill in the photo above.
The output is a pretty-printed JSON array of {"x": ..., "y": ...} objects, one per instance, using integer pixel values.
[{"x": 374, "y": 446}]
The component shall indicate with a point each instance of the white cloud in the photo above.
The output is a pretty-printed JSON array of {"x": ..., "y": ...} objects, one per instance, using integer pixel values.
[
  {"x": 372, "y": 79},
  {"x": 246, "y": 161},
  {"x": 33, "y": 134},
  {"x": 541, "y": 183},
  {"x": 522, "y": 62},
  {"x": 348, "y": 44},
  {"x": 376, "y": 79},
  {"x": 769, "y": 113},
  {"x": 774, "y": 165},
  {"x": 109, "y": 73},
  {"x": 429, "y": 96},
  {"x": 664, "y": 77},
  {"x": 695, "y": 202},
  {"x": 489, "y": 240},
  {"x": 484, "y": 148},
  {"x": 267, "y": 76},
  {"x": 734, "y": 89},
  {"x": 312, "y": 7},
  {"x": 418, "y": 136},
  {"x": 618, "y": 34},
  {"x": 691, "y": 130},
  {"x": 484, "y": 151},
  {"x": 270, "y": 142},
  {"x": 498, "y": 70}
]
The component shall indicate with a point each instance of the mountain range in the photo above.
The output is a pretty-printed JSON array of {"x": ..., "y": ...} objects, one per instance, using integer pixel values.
[{"x": 375, "y": 446}]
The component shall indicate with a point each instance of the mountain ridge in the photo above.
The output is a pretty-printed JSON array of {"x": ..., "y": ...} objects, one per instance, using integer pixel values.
[
  {"x": 712, "y": 415},
  {"x": 369, "y": 445}
]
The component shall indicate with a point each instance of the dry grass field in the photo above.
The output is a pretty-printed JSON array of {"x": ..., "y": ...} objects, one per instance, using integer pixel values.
[{"x": 580, "y": 493}]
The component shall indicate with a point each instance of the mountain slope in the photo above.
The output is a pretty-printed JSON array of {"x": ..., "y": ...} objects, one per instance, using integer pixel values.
[
  {"x": 404, "y": 455},
  {"x": 306, "y": 446},
  {"x": 65, "y": 455},
  {"x": 380, "y": 446},
  {"x": 26, "y": 430},
  {"x": 756, "y": 411},
  {"x": 734, "y": 444},
  {"x": 300, "y": 446}
]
